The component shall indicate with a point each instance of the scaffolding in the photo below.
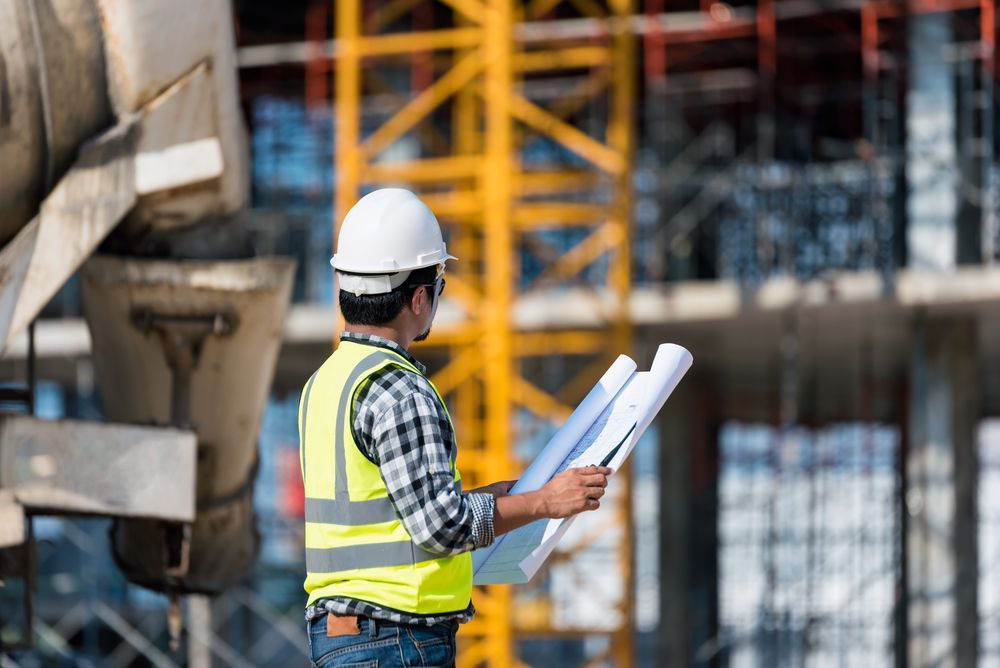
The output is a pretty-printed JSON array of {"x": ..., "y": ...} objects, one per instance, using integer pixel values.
[
  {"x": 529, "y": 198},
  {"x": 757, "y": 208}
]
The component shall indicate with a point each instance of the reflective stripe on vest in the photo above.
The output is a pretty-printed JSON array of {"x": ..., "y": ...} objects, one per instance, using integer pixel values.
[{"x": 370, "y": 555}]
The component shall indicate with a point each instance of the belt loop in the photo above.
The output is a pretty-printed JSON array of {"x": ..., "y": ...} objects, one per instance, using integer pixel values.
[{"x": 373, "y": 627}]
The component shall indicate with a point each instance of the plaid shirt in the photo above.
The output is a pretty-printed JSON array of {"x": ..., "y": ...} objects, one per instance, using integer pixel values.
[{"x": 402, "y": 427}]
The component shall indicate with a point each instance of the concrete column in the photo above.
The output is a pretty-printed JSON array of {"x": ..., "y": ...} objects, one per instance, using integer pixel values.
[
  {"x": 689, "y": 572},
  {"x": 931, "y": 155},
  {"x": 941, "y": 550}
]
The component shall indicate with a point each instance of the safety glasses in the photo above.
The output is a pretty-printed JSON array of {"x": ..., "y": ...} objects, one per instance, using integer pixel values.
[
  {"x": 438, "y": 283},
  {"x": 439, "y": 280}
]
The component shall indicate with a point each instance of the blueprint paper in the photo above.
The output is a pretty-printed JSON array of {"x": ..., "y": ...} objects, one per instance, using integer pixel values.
[
  {"x": 615, "y": 427},
  {"x": 541, "y": 470},
  {"x": 607, "y": 429},
  {"x": 669, "y": 366},
  {"x": 568, "y": 436},
  {"x": 503, "y": 564}
]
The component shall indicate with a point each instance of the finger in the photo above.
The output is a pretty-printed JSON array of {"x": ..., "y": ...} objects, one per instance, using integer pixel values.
[
  {"x": 594, "y": 480},
  {"x": 595, "y": 492},
  {"x": 587, "y": 470},
  {"x": 593, "y": 504}
]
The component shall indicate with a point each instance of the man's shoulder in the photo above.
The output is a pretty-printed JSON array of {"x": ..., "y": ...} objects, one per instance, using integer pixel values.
[{"x": 391, "y": 385}]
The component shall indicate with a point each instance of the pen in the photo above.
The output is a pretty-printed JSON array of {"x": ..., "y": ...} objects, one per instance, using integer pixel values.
[{"x": 611, "y": 455}]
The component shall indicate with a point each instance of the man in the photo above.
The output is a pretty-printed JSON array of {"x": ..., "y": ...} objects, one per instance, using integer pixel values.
[{"x": 388, "y": 527}]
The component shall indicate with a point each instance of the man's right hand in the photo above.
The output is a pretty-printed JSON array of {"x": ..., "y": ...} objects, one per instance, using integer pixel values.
[{"x": 574, "y": 491}]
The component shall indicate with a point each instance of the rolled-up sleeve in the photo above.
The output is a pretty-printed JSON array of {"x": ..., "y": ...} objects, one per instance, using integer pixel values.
[
  {"x": 483, "y": 507},
  {"x": 411, "y": 439}
]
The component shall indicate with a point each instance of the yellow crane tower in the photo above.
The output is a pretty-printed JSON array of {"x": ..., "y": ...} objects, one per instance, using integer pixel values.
[{"x": 502, "y": 78}]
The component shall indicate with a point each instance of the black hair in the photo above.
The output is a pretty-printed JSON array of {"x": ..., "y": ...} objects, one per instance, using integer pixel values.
[{"x": 383, "y": 308}]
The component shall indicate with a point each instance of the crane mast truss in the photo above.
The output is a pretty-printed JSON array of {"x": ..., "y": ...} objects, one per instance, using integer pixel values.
[{"x": 521, "y": 142}]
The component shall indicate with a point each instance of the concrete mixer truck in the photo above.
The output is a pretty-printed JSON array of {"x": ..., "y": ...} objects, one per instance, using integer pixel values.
[{"x": 123, "y": 157}]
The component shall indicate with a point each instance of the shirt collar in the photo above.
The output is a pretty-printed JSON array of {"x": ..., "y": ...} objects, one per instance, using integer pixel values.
[{"x": 382, "y": 342}]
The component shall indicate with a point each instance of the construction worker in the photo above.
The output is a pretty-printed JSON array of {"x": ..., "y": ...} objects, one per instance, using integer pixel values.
[{"x": 388, "y": 527}]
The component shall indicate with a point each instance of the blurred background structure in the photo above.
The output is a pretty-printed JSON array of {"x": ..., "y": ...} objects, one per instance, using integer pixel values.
[{"x": 804, "y": 193}]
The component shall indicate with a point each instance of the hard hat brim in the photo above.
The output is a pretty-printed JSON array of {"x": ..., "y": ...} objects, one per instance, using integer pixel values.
[{"x": 395, "y": 270}]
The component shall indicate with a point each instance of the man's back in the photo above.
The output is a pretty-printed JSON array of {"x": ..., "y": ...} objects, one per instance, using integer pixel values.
[{"x": 388, "y": 527}]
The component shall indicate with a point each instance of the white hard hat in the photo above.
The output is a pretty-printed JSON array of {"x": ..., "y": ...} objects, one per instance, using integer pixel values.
[{"x": 387, "y": 234}]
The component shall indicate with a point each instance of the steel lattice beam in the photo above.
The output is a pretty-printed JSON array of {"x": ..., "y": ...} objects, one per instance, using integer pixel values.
[{"x": 496, "y": 208}]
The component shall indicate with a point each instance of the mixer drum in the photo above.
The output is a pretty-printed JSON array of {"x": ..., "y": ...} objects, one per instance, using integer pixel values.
[{"x": 53, "y": 97}]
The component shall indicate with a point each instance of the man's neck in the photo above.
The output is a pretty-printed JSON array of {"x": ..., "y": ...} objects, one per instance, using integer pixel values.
[{"x": 385, "y": 332}]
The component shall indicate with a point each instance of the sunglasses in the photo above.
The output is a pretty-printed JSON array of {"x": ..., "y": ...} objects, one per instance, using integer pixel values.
[{"x": 438, "y": 284}]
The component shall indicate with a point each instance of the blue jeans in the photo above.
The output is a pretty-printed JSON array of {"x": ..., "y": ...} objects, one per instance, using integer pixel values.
[{"x": 383, "y": 645}]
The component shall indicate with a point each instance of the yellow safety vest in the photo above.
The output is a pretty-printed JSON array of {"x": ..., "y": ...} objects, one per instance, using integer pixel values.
[{"x": 356, "y": 545}]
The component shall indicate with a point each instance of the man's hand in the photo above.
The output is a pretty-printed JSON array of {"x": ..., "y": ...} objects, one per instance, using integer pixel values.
[
  {"x": 574, "y": 491},
  {"x": 497, "y": 489}
]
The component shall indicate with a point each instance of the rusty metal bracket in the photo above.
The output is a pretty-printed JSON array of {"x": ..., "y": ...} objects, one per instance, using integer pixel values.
[
  {"x": 176, "y": 548},
  {"x": 222, "y": 323},
  {"x": 182, "y": 337}
]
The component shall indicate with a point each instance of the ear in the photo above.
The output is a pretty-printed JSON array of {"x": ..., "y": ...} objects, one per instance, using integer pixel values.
[{"x": 418, "y": 301}]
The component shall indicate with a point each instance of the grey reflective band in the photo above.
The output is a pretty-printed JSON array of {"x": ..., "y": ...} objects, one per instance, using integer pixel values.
[
  {"x": 340, "y": 464},
  {"x": 350, "y": 513},
  {"x": 370, "y": 555},
  {"x": 302, "y": 421}
]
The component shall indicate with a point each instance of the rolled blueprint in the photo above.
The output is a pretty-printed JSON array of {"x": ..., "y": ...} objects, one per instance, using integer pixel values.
[
  {"x": 605, "y": 427},
  {"x": 566, "y": 438},
  {"x": 562, "y": 443}
]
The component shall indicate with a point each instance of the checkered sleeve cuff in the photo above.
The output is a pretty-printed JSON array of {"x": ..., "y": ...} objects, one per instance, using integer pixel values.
[{"x": 482, "y": 506}]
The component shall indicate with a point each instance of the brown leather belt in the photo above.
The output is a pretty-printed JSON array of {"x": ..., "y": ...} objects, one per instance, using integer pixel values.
[{"x": 341, "y": 626}]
